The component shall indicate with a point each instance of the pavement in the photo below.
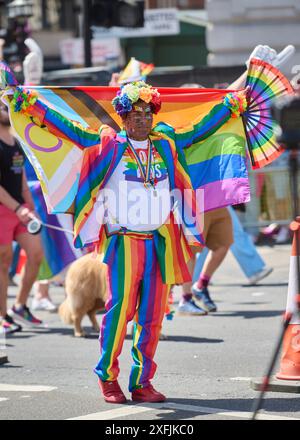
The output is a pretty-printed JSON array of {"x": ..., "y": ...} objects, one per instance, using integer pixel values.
[{"x": 204, "y": 366}]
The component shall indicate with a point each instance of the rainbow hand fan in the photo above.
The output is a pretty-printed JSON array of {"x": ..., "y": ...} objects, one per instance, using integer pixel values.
[{"x": 265, "y": 83}]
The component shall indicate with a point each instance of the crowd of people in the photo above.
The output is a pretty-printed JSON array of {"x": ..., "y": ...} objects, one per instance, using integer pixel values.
[{"x": 140, "y": 277}]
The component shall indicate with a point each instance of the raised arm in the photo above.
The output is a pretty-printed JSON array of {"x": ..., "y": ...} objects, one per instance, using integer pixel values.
[
  {"x": 232, "y": 106},
  {"x": 239, "y": 83},
  {"x": 26, "y": 101}
]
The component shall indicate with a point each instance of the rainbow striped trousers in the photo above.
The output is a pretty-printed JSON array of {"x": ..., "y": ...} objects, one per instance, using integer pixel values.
[{"x": 135, "y": 291}]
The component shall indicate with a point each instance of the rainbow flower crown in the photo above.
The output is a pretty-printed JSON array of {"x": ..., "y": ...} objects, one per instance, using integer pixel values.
[{"x": 133, "y": 92}]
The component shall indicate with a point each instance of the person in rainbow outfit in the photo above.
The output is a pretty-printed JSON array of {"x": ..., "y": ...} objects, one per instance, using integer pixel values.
[
  {"x": 146, "y": 252},
  {"x": 139, "y": 273}
]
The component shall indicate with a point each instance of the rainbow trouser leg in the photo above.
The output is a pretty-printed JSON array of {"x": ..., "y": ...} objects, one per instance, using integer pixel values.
[{"x": 135, "y": 290}]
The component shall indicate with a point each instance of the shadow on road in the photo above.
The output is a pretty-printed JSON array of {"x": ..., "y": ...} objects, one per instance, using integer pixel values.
[
  {"x": 252, "y": 303},
  {"x": 252, "y": 314},
  {"x": 94, "y": 335},
  {"x": 266, "y": 285},
  {"x": 280, "y": 405},
  {"x": 29, "y": 333},
  {"x": 8, "y": 365},
  {"x": 20, "y": 336},
  {"x": 284, "y": 284},
  {"x": 192, "y": 339}
]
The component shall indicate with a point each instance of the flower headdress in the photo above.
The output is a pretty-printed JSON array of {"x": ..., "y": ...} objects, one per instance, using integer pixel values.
[{"x": 133, "y": 92}]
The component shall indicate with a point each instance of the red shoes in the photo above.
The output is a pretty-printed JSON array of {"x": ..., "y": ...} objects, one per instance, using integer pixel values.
[
  {"x": 147, "y": 394},
  {"x": 112, "y": 392}
]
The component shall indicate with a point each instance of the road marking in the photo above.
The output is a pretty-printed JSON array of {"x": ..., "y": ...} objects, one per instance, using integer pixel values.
[
  {"x": 225, "y": 412},
  {"x": 2, "y": 399},
  {"x": 143, "y": 407},
  {"x": 115, "y": 413},
  {"x": 26, "y": 388},
  {"x": 247, "y": 379},
  {"x": 258, "y": 293}
]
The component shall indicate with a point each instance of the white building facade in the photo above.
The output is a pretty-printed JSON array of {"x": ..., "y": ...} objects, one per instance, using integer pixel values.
[{"x": 235, "y": 27}]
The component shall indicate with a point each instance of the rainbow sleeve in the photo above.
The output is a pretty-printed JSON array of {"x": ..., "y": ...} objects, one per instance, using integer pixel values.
[
  {"x": 202, "y": 128},
  {"x": 59, "y": 125}
]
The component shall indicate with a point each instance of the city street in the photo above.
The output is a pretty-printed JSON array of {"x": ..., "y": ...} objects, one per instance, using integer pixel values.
[{"x": 204, "y": 366}]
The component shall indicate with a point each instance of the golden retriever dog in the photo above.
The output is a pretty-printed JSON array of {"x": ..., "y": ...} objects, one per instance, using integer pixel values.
[{"x": 85, "y": 287}]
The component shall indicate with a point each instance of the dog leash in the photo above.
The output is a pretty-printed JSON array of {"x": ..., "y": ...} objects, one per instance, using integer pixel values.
[{"x": 34, "y": 226}]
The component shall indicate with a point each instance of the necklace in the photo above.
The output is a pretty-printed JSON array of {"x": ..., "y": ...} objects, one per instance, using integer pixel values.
[
  {"x": 154, "y": 170},
  {"x": 149, "y": 180}
]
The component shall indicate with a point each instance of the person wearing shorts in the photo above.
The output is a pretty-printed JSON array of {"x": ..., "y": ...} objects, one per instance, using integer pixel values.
[
  {"x": 218, "y": 229},
  {"x": 218, "y": 237},
  {"x": 16, "y": 206}
]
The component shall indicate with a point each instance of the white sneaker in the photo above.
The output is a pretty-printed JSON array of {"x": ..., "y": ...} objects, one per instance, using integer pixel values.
[
  {"x": 43, "y": 304},
  {"x": 190, "y": 308},
  {"x": 260, "y": 275}
]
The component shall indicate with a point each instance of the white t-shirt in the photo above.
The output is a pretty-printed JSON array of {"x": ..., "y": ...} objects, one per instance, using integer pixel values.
[{"x": 127, "y": 202}]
